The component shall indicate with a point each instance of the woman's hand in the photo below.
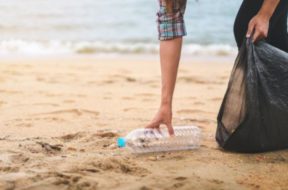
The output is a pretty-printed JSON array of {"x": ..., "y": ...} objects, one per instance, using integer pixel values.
[
  {"x": 164, "y": 116},
  {"x": 260, "y": 26}
]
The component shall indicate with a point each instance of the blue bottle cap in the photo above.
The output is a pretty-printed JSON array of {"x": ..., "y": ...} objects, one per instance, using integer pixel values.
[{"x": 121, "y": 142}]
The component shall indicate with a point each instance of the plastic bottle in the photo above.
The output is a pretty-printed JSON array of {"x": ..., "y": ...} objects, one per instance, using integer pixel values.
[{"x": 151, "y": 140}]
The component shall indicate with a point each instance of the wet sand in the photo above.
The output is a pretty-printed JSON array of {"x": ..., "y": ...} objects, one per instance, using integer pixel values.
[{"x": 61, "y": 116}]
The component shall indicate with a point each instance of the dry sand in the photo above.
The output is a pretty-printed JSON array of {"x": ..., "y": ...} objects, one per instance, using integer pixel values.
[{"x": 60, "y": 118}]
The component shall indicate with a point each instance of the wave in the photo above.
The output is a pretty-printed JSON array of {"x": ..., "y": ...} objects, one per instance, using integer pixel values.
[{"x": 9, "y": 47}]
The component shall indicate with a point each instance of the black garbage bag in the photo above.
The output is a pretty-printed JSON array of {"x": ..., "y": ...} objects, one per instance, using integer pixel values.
[{"x": 254, "y": 113}]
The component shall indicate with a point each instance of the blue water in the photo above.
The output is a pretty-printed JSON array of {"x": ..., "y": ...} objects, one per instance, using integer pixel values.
[{"x": 97, "y": 26}]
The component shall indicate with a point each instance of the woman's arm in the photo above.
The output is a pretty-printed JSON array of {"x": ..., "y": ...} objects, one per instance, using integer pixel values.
[
  {"x": 171, "y": 28},
  {"x": 260, "y": 23},
  {"x": 170, "y": 52}
]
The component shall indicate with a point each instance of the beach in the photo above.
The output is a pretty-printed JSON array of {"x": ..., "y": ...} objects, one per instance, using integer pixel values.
[{"x": 61, "y": 116}]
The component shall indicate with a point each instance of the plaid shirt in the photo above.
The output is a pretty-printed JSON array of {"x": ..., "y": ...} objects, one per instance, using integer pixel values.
[{"x": 171, "y": 24}]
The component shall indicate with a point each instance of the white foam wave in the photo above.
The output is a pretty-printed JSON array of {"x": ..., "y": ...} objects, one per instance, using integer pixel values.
[{"x": 56, "y": 47}]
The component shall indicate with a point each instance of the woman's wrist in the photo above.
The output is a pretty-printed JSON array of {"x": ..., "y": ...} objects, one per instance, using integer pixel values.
[
  {"x": 268, "y": 8},
  {"x": 264, "y": 16},
  {"x": 166, "y": 103}
]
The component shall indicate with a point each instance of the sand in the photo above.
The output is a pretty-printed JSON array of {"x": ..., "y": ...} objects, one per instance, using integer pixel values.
[{"x": 61, "y": 116}]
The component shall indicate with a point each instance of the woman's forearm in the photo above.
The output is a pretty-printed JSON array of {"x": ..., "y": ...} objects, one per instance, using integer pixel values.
[
  {"x": 268, "y": 8},
  {"x": 170, "y": 52}
]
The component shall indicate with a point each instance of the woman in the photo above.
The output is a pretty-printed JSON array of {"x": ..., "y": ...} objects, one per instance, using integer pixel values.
[{"x": 262, "y": 18}]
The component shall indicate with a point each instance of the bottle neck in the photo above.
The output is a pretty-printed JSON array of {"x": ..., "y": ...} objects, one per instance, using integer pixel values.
[{"x": 121, "y": 142}]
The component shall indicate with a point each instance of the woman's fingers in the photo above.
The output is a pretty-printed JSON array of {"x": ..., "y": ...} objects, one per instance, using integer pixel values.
[
  {"x": 164, "y": 116},
  {"x": 256, "y": 36},
  {"x": 156, "y": 125},
  {"x": 251, "y": 28},
  {"x": 170, "y": 129},
  {"x": 153, "y": 124},
  {"x": 260, "y": 33}
]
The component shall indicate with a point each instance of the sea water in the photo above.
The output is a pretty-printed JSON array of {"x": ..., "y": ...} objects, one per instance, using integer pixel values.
[{"x": 110, "y": 26}]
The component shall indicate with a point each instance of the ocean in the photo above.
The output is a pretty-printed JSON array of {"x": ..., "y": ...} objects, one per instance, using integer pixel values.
[{"x": 110, "y": 26}]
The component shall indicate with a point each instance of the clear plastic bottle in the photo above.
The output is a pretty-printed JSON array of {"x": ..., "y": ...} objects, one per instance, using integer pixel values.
[{"x": 151, "y": 140}]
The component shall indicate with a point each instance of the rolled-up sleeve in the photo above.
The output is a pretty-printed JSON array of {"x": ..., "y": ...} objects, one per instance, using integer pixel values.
[{"x": 171, "y": 23}]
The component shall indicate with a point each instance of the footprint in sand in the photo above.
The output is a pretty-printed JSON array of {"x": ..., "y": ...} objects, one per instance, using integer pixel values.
[
  {"x": 117, "y": 165},
  {"x": 198, "y": 103},
  {"x": 19, "y": 158},
  {"x": 27, "y": 125},
  {"x": 199, "y": 80},
  {"x": 92, "y": 82},
  {"x": 198, "y": 121},
  {"x": 88, "y": 136},
  {"x": 127, "y": 98},
  {"x": 107, "y": 98},
  {"x": 155, "y": 86},
  {"x": 147, "y": 100},
  {"x": 42, "y": 147},
  {"x": 178, "y": 185},
  {"x": 105, "y": 134},
  {"x": 2, "y": 80},
  {"x": 69, "y": 101},
  {"x": 150, "y": 82},
  {"x": 47, "y": 80},
  {"x": 210, "y": 88},
  {"x": 79, "y": 95},
  {"x": 189, "y": 79},
  {"x": 192, "y": 111},
  {"x": 116, "y": 78},
  {"x": 180, "y": 178},
  {"x": 31, "y": 121},
  {"x": 192, "y": 97},
  {"x": 130, "y": 109},
  {"x": 9, "y": 169},
  {"x": 71, "y": 137},
  {"x": 101, "y": 140},
  {"x": 7, "y": 185},
  {"x": 67, "y": 78},
  {"x": 105, "y": 82},
  {"x": 223, "y": 78},
  {"x": 10, "y": 91},
  {"x": 52, "y": 94},
  {"x": 216, "y": 99},
  {"x": 183, "y": 71},
  {"x": 22, "y": 122},
  {"x": 58, "y": 180},
  {"x": 45, "y": 104},
  {"x": 124, "y": 77},
  {"x": 72, "y": 112},
  {"x": 145, "y": 94},
  {"x": 13, "y": 73},
  {"x": 216, "y": 181},
  {"x": 130, "y": 79},
  {"x": 50, "y": 148},
  {"x": 145, "y": 188},
  {"x": 2, "y": 103}
]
